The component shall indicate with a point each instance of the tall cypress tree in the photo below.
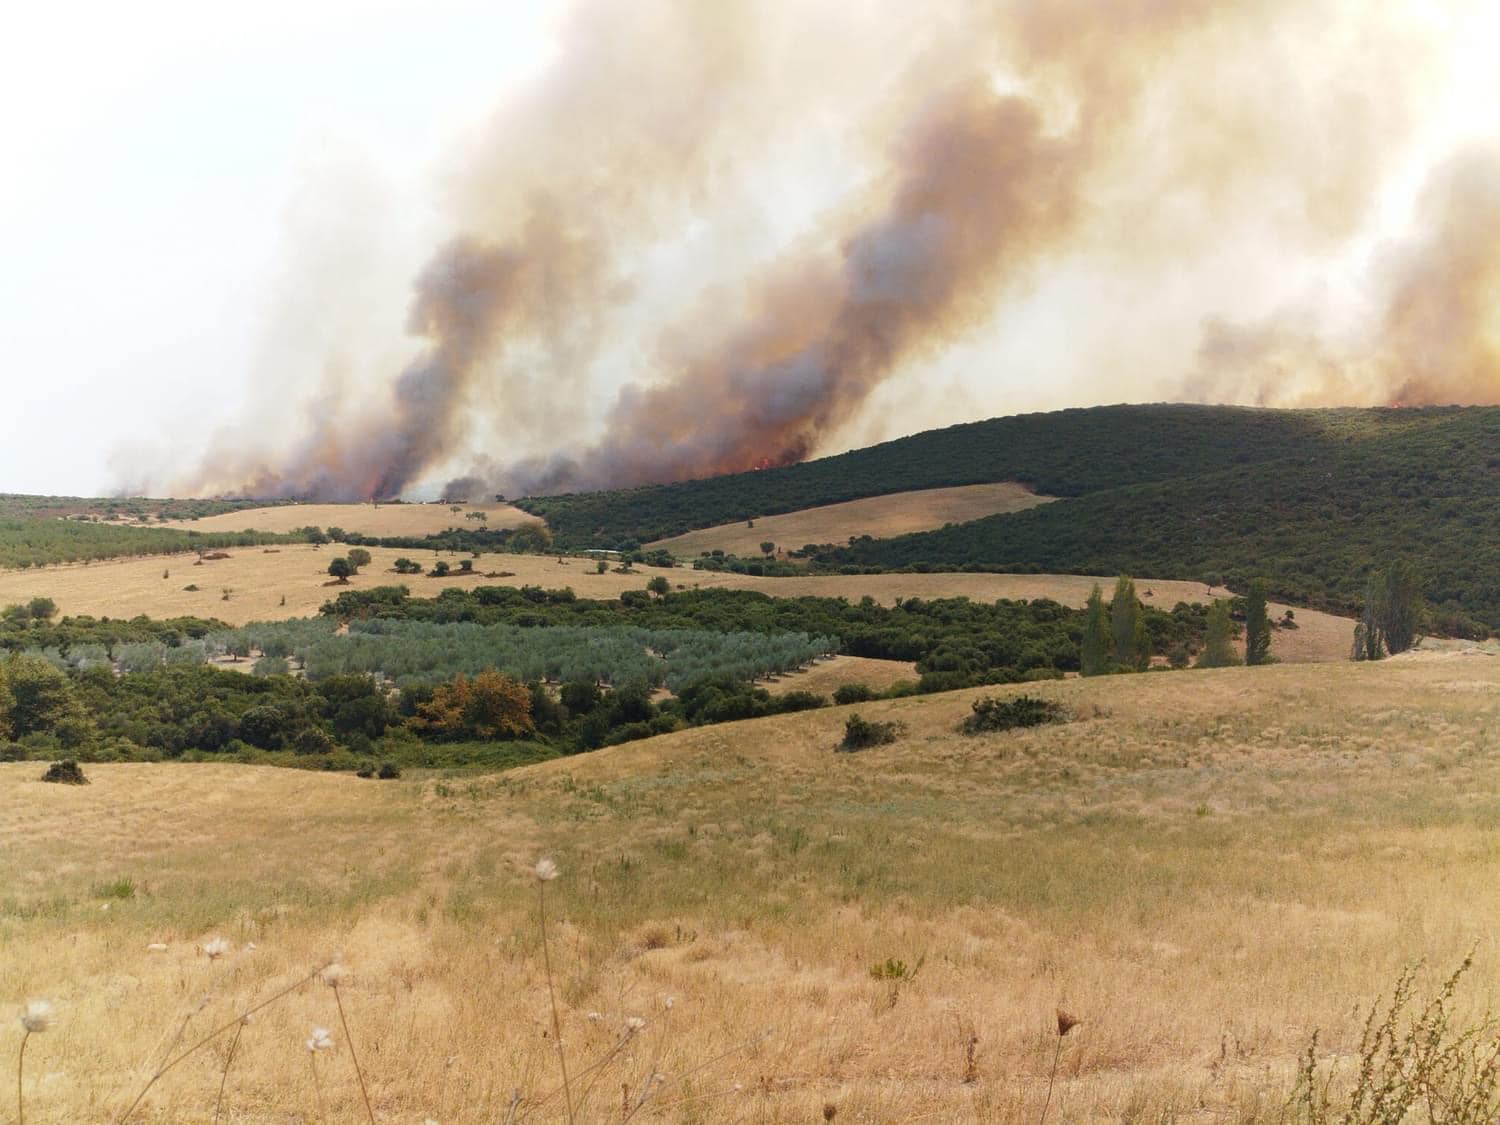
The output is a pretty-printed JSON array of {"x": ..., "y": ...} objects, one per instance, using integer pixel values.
[
  {"x": 1399, "y": 608},
  {"x": 1257, "y": 625},
  {"x": 1125, "y": 622},
  {"x": 1093, "y": 656}
]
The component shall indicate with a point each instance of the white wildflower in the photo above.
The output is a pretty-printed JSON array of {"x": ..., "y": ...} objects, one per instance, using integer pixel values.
[
  {"x": 333, "y": 973},
  {"x": 546, "y": 870},
  {"x": 320, "y": 1040},
  {"x": 634, "y": 1024},
  {"x": 36, "y": 1016},
  {"x": 216, "y": 948},
  {"x": 595, "y": 1017}
]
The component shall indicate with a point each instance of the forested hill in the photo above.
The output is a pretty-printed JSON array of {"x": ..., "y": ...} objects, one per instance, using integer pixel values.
[
  {"x": 1069, "y": 453},
  {"x": 1313, "y": 521}
]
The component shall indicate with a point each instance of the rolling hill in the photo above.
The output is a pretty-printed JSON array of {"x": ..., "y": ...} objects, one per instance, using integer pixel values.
[{"x": 1312, "y": 500}]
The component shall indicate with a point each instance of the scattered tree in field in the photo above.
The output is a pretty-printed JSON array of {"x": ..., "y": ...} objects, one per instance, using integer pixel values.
[
  {"x": 404, "y": 565},
  {"x": 1218, "y": 647},
  {"x": 1257, "y": 625},
  {"x": 466, "y": 566},
  {"x": 600, "y": 567},
  {"x": 358, "y": 557},
  {"x": 767, "y": 548},
  {"x": 1128, "y": 626},
  {"x": 341, "y": 568},
  {"x": 41, "y": 609},
  {"x": 439, "y": 569},
  {"x": 1094, "y": 652},
  {"x": 659, "y": 586},
  {"x": 336, "y": 534}
]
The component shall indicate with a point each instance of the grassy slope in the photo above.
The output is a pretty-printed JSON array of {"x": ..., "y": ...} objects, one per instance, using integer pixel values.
[
  {"x": 1204, "y": 868},
  {"x": 898, "y": 513}
]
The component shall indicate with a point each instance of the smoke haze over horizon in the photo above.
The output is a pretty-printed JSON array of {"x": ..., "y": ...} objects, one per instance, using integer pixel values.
[{"x": 701, "y": 239}]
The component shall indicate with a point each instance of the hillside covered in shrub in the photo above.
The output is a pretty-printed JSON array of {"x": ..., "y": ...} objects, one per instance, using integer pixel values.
[{"x": 1312, "y": 500}]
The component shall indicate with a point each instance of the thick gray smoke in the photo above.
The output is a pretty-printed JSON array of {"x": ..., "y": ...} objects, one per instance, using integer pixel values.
[{"x": 1003, "y": 144}]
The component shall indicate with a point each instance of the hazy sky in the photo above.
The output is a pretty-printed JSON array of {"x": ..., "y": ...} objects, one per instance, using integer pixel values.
[
  {"x": 154, "y": 152},
  {"x": 212, "y": 216}
]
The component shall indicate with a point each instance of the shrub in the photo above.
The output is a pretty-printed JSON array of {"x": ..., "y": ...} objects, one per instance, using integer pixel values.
[
  {"x": 389, "y": 771},
  {"x": 1007, "y": 714},
  {"x": 853, "y": 693},
  {"x": 65, "y": 772},
  {"x": 312, "y": 740},
  {"x": 860, "y": 734}
]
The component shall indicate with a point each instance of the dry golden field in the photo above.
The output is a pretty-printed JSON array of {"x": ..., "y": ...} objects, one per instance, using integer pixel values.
[
  {"x": 1203, "y": 867},
  {"x": 365, "y": 519},
  {"x": 260, "y": 578},
  {"x": 823, "y": 676},
  {"x": 881, "y": 516}
]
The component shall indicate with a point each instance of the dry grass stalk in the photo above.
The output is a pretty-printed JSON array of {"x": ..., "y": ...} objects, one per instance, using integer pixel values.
[{"x": 1065, "y": 1024}]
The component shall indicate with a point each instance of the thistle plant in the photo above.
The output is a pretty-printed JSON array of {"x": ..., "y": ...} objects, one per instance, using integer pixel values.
[
  {"x": 1065, "y": 1024},
  {"x": 332, "y": 975},
  {"x": 545, "y": 872},
  {"x": 36, "y": 1017}
]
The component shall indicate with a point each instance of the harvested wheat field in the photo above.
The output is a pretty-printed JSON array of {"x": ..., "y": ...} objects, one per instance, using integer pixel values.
[
  {"x": 898, "y": 513},
  {"x": 292, "y": 581},
  {"x": 364, "y": 519},
  {"x": 1203, "y": 868}
]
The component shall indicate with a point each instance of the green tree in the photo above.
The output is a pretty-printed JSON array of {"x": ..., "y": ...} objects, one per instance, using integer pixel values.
[
  {"x": 42, "y": 700},
  {"x": 659, "y": 586},
  {"x": 1399, "y": 606},
  {"x": 1218, "y": 649},
  {"x": 1094, "y": 651},
  {"x": 1257, "y": 625},
  {"x": 7, "y": 702},
  {"x": 41, "y": 609},
  {"x": 358, "y": 557},
  {"x": 767, "y": 548},
  {"x": 1127, "y": 627},
  {"x": 600, "y": 567},
  {"x": 341, "y": 568}
]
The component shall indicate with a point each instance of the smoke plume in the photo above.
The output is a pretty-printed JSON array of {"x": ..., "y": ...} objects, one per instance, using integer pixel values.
[{"x": 626, "y": 301}]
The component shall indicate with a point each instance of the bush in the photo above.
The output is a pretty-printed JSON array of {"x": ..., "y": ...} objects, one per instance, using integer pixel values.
[
  {"x": 860, "y": 734},
  {"x": 853, "y": 693},
  {"x": 65, "y": 772},
  {"x": 1008, "y": 714},
  {"x": 389, "y": 771}
]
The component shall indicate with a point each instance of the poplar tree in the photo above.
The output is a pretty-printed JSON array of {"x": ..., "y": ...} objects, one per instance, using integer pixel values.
[
  {"x": 1127, "y": 624},
  {"x": 1094, "y": 651},
  {"x": 1257, "y": 625}
]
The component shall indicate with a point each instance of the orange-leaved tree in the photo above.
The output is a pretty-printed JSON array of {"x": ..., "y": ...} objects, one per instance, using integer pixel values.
[{"x": 491, "y": 705}]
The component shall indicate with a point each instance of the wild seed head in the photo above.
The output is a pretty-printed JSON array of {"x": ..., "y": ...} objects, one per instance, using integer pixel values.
[
  {"x": 546, "y": 870},
  {"x": 333, "y": 973},
  {"x": 634, "y": 1024},
  {"x": 36, "y": 1016},
  {"x": 830, "y": 1111},
  {"x": 216, "y": 948},
  {"x": 1065, "y": 1022},
  {"x": 668, "y": 1002},
  {"x": 320, "y": 1040}
]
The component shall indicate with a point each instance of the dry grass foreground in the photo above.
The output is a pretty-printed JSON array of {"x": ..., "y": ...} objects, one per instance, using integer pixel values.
[
  {"x": 1203, "y": 868},
  {"x": 290, "y": 581},
  {"x": 881, "y": 516},
  {"x": 365, "y": 519}
]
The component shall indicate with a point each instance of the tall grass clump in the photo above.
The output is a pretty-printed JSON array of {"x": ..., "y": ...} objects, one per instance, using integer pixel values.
[
  {"x": 1414, "y": 1063},
  {"x": 991, "y": 714}
]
